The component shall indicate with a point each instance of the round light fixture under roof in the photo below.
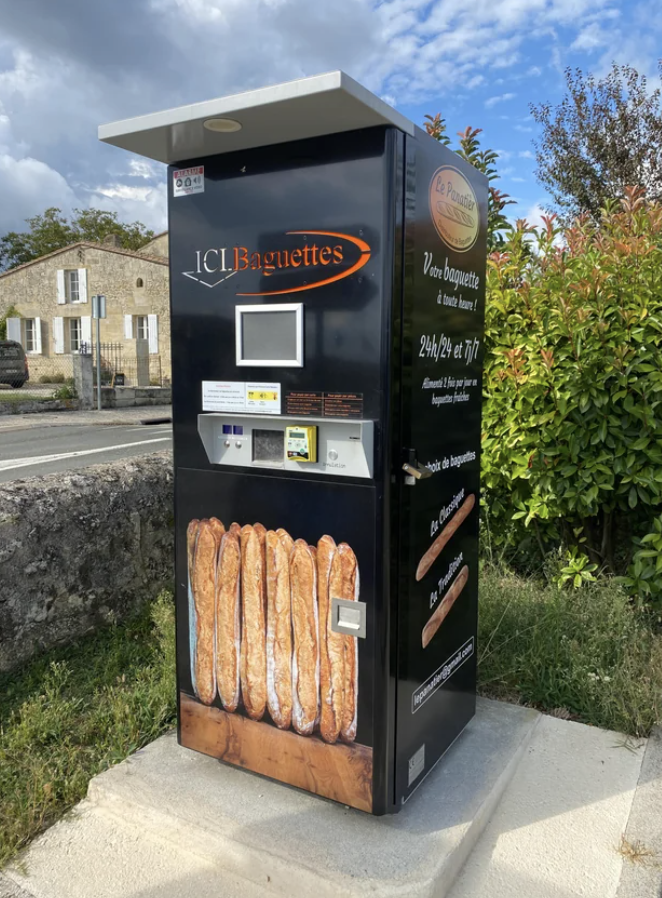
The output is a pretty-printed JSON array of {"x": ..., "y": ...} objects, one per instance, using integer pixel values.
[{"x": 222, "y": 125}]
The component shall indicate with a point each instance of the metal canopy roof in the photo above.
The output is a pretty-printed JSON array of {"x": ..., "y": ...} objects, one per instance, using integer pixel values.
[{"x": 309, "y": 107}]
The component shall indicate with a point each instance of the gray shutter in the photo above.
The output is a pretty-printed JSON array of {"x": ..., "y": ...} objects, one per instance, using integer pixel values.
[
  {"x": 82, "y": 284},
  {"x": 153, "y": 334},
  {"x": 86, "y": 330},
  {"x": 58, "y": 335},
  {"x": 61, "y": 289},
  {"x": 14, "y": 329},
  {"x": 128, "y": 327},
  {"x": 37, "y": 336}
]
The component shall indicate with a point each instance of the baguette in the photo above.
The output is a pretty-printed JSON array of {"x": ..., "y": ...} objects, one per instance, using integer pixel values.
[
  {"x": 236, "y": 529},
  {"x": 287, "y": 540},
  {"x": 332, "y": 663},
  {"x": 437, "y": 546},
  {"x": 228, "y": 622},
  {"x": 305, "y": 628},
  {"x": 253, "y": 648},
  {"x": 439, "y": 615},
  {"x": 279, "y": 631},
  {"x": 261, "y": 532},
  {"x": 218, "y": 529},
  {"x": 345, "y": 579},
  {"x": 203, "y": 589}
]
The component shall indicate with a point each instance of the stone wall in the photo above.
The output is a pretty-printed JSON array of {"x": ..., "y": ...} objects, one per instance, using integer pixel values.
[
  {"x": 157, "y": 246},
  {"x": 133, "y": 284},
  {"x": 20, "y": 406},
  {"x": 80, "y": 549}
]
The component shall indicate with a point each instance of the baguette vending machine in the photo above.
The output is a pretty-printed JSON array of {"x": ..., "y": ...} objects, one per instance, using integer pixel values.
[{"x": 327, "y": 281}]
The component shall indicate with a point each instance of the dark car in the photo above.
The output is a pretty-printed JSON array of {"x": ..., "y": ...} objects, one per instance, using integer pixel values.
[{"x": 13, "y": 364}]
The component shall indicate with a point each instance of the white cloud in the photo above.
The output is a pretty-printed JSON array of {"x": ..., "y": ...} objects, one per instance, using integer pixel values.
[
  {"x": 525, "y": 154},
  {"x": 519, "y": 180},
  {"x": 501, "y": 98},
  {"x": 28, "y": 187},
  {"x": 68, "y": 66}
]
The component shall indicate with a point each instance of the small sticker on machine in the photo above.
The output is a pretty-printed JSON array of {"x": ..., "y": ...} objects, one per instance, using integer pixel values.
[
  {"x": 188, "y": 181},
  {"x": 416, "y": 765}
]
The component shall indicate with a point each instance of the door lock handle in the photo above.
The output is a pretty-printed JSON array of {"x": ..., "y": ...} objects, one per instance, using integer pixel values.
[{"x": 417, "y": 471}]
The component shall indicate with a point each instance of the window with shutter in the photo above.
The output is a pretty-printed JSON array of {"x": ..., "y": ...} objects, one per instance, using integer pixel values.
[
  {"x": 74, "y": 334},
  {"x": 73, "y": 284},
  {"x": 30, "y": 335}
]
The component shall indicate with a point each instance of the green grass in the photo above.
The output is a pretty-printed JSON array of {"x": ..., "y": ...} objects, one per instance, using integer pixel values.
[
  {"x": 16, "y": 396},
  {"x": 77, "y": 711},
  {"x": 585, "y": 653}
]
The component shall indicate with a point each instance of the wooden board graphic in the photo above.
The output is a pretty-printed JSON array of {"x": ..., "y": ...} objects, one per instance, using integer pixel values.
[{"x": 342, "y": 772}]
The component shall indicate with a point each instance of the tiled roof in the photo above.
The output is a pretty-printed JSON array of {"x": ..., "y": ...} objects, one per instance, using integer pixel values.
[{"x": 157, "y": 260}]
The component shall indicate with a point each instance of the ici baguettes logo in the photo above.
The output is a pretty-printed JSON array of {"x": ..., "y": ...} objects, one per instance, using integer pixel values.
[
  {"x": 454, "y": 208},
  {"x": 324, "y": 261}
]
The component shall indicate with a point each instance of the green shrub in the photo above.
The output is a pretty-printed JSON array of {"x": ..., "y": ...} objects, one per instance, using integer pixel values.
[
  {"x": 64, "y": 392},
  {"x": 589, "y": 655},
  {"x": 52, "y": 379},
  {"x": 572, "y": 448}
]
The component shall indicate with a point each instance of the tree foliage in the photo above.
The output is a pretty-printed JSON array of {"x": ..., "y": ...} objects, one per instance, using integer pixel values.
[
  {"x": 52, "y": 230},
  {"x": 572, "y": 446},
  {"x": 470, "y": 150},
  {"x": 604, "y": 136}
]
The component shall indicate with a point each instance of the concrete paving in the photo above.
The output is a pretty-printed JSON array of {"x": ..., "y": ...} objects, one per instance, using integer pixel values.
[
  {"x": 49, "y": 450},
  {"x": 111, "y": 416},
  {"x": 642, "y": 845},
  {"x": 92, "y": 855},
  {"x": 277, "y": 838},
  {"x": 557, "y": 831},
  {"x": 535, "y": 806}
]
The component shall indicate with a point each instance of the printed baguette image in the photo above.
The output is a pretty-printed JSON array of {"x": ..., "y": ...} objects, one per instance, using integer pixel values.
[
  {"x": 452, "y": 213},
  {"x": 260, "y": 629}
]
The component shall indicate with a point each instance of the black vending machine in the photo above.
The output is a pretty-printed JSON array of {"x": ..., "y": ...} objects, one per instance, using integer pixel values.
[{"x": 327, "y": 280}]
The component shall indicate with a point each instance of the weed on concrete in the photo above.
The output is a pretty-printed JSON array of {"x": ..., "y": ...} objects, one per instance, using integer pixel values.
[
  {"x": 77, "y": 711},
  {"x": 584, "y": 654}
]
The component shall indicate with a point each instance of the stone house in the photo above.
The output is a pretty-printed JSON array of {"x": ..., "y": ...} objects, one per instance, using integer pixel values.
[{"x": 52, "y": 296}]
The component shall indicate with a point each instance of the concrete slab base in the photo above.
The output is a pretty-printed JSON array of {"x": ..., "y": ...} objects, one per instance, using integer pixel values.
[
  {"x": 558, "y": 828},
  {"x": 197, "y": 824},
  {"x": 642, "y": 860}
]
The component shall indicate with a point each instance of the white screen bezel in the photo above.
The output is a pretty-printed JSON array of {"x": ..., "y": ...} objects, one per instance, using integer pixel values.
[{"x": 269, "y": 363}]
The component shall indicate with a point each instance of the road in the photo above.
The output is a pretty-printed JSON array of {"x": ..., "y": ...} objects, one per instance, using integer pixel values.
[{"x": 31, "y": 452}]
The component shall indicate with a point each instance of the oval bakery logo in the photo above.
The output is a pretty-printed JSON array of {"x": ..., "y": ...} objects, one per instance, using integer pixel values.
[
  {"x": 454, "y": 208},
  {"x": 314, "y": 258}
]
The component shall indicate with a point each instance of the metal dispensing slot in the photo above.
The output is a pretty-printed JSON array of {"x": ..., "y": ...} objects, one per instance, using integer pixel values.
[{"x": 344, "y": 448}]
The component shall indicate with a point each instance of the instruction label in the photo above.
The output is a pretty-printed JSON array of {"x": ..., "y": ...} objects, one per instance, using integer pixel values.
[{"x": 242, "y": 397}]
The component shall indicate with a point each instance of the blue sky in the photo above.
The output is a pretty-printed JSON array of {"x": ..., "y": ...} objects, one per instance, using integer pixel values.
[{"x": 67, "y": 66}]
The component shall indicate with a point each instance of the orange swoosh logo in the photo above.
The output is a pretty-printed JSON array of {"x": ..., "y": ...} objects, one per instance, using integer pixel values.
[{"x": 361, "y": 261}]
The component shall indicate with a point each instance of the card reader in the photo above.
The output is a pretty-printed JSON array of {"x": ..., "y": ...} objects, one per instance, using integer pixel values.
[{"x": 301, "y": 443}]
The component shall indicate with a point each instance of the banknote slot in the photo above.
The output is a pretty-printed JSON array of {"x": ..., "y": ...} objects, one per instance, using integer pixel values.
[{"x": 268, "y": 447}]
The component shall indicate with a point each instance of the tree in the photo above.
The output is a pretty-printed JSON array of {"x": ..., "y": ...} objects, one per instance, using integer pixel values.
[
  {"x": 605, "y": 136},
  {"x": 484, "y": 160},
  {"x": 52, "y": 230}
]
